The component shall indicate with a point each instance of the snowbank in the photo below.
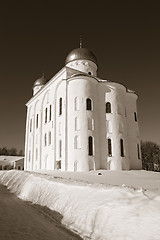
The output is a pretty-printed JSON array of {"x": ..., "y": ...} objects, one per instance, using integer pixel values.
[{"x": 93, "y": 211}]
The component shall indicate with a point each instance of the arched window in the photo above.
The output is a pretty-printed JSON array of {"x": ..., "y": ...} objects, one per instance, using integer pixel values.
[
  {"x": 109, "y": 147},
  {"x": 135, "y": 116},
  {"x": 108, "y": 107},
  {"x": 121, "y": 147},
  {"x": 89, "y": 104},
  {"x": 50, "y": 112},
  {"x": 60, "y": 106},
  {"x": 46, "y": 115},
  {"x": 90, "y": 146},
  {"x": 37, "y": 121}
]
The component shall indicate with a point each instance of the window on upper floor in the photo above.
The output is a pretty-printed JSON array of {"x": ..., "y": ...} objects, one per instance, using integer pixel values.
[
  {"x": 90, "y": 146},
  {"x": 45, "y": 139},
  {"x": 30, "y": 125},
  {"x": 49, "y": 138},
  {"x": 60, "y": 106},
  {"x": 122, "y": 147},
  {"x": 89, "y": 104},
  {"x": 109, "y": 147},
  {"x": 37, "y": 120},
  {"x": 46, "y": 115},
  {"x": 108, "y": 107},
  {"x": 50, "y": 112}
]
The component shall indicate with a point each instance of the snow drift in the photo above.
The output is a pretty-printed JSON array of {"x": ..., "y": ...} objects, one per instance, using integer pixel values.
[{"x": 93, "y": 211}]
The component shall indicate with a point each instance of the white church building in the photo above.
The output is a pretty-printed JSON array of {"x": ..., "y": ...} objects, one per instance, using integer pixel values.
[{"x": 79, "y": 122}]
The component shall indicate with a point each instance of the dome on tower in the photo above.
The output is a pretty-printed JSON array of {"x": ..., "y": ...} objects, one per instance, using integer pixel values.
[
  {"x": 80, "y": 54},
  {"x": 40, "y": 81}
]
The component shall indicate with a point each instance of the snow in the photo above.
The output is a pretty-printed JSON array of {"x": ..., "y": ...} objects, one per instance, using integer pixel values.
[{"x": 92, "y": 207}]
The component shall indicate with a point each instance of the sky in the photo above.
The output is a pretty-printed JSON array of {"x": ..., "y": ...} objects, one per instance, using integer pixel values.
[{"x": 36, "y": 37}]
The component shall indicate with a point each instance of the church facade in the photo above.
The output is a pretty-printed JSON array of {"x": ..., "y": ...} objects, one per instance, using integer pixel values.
[{"x": 79, "y": 122}]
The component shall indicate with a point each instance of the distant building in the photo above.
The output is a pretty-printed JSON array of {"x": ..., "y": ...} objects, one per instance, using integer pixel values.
[
  {"x": 79, "y": 122},
  {"x": 11, "y": 162}
]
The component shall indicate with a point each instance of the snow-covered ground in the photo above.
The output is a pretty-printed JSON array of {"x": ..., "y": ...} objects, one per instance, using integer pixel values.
[{"x": 91, "y": 205}]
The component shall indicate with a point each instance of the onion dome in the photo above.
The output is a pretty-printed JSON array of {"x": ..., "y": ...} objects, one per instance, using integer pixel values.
[
  {"x": 81, "y": 54},
  {"x": 40, "y": 81}
]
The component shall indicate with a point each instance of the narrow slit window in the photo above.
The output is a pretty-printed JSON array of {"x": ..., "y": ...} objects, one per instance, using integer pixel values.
[
  {"x": 89, "y": 104},
  {"x": 60, "y": 106},
  {"x": 49, "y": 138},
  {"x": 50, "y": 112},
  {"x": 138, "y": 151},
  {"x": 109, "y": 147},
  {"x": 45, "y": 139},
  {"x": 60, "y": 149},
  {"x": 122, "y": 147},
  {"x": 90, "y": 146},
  {"x": 30, "y": 125},
  {"x": 135, "y": 116},
  {"x": 108, "y": 107},
  {"x": 46, "y": 115},
  {"x": 37, "y": 121}
]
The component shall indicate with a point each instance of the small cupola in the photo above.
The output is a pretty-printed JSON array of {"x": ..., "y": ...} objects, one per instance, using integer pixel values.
[{"x": 38, "y": 84}]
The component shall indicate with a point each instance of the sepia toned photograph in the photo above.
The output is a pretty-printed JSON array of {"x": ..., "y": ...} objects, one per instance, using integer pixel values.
[{"x": 80, "y": 120}]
